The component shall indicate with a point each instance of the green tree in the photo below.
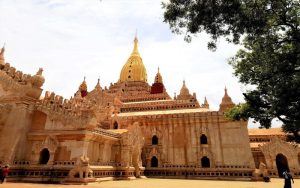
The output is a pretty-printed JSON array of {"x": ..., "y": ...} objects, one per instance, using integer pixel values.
[{"x": 269, "y": 61}]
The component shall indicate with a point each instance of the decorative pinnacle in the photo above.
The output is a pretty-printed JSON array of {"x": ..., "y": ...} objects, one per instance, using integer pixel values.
[
  {"x": 135, "y": 50},
  {"x": 225, "y": 91},
  {"x": 205, "y": 100},
  {"x": 2, "y": 49}
]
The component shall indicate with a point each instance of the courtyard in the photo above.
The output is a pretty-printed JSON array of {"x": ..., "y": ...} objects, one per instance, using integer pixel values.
[{"x": 163, "y": 183}]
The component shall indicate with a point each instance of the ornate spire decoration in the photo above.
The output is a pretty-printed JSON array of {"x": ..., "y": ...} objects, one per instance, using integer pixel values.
[
  {"x": 38, "y": 80},
  {"x": 226, "y": 102},
  {"x": 2, "y": 59},
  {"x": 157, "y": 86},
  {"x": 135, "y": 50},
  {"x": 184, "y": 92},
  {"x": 205, "y": 104},
  {"x": 83, "y": 88},
  {"x": 98, "y": 87},
  {"x": 158, "y": 77}
]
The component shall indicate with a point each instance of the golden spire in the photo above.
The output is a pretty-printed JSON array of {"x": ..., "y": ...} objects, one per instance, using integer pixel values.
[
  {"x": 134, "y": 69},
  {"x": 2, "y": 60},
  {"x": 135, "y": 50}
]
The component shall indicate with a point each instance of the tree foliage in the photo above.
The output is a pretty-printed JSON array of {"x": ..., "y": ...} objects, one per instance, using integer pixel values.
[{"x": 270, "y": 59}]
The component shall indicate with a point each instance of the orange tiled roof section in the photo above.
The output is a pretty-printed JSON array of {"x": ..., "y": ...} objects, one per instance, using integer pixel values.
[{"x": 272, "y": 131}]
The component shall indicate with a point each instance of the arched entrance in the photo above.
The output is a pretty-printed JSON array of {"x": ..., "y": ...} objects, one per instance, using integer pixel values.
[
  {"x": 116, "y": 126},
  {"x": 205, "y": 163},
  {"x": 154, "y": 162},
  {"x": 282, "y": 164},
  {"x": 44, "y": 156}
]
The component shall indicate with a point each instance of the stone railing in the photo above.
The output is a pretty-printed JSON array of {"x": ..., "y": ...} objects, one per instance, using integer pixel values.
[
  {"x": 64, "y": 163},
  {"x": 20, "y": 163},
  {"x": 216, "y": 167},
  {"x": 199, "y": 173}
]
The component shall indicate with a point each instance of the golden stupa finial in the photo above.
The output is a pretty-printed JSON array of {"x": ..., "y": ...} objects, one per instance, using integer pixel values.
[{"x": 135, "y": 50}]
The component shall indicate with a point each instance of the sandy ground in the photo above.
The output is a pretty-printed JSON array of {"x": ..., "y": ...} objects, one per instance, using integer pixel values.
[{"x": 162, "y": 183}]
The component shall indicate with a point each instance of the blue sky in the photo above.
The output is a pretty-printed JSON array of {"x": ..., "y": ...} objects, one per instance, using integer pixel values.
[{"x": 71, "y": 39}]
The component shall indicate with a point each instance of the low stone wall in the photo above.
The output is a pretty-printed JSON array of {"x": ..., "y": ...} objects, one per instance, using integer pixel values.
[
  {"x": 194, "y": 173},
  {"x": 59, "y": 173},
  {"x": 274, "y": 173},
  {"x": 45, "y": 174}
]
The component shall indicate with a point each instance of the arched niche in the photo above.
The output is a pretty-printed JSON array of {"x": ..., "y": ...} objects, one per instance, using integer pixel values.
[
  {"x": 282, "y": 164},
  {"x": 44, "y": 156},
  {"x": 154, "y": 140},
  {"x": 203, "y": 139},
  {"x": 205, "y": 162},
  {"x": 154, "y": 162},
  {"x": 116, "y": 126}
]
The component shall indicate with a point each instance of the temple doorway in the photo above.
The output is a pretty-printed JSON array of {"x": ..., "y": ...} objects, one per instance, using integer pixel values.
[
  {"x": 116, "y": 126},
  {"x": 282, "y": 164},
  {"x": 205, "y": 163},
  {"x": 44, "y": 156},
  {"x": 154, "y": 162}
]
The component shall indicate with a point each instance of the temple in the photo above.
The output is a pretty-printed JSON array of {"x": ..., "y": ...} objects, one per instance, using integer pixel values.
[{"x": 129, "y": 130}]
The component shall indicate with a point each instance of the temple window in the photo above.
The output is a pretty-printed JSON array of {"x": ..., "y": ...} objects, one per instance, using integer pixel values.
[
  {"x": 154, "y": 162},
  {"x": 44, "y": 156},
  {"x": 205, "y": 163},
  {"x": 203, "y": 139},
  {"x": 154, "y": 140}
]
